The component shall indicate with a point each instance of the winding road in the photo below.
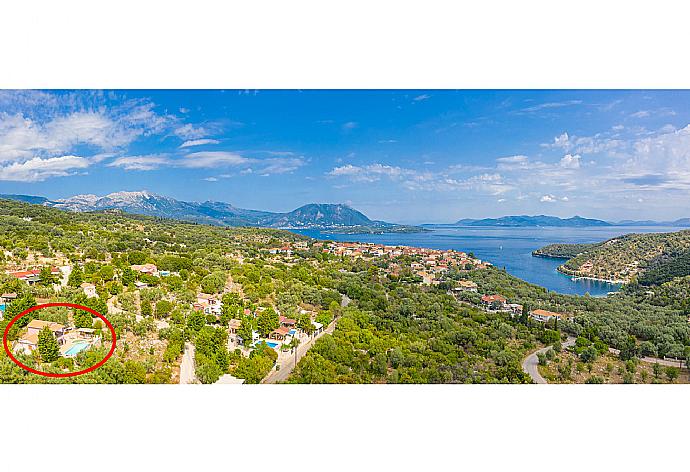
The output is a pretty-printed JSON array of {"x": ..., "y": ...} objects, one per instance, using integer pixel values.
[{"x": 531, "y": 363}]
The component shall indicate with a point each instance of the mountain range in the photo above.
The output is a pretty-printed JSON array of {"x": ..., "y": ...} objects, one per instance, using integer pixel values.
[
  {"x": 323, "y": 216},
  {"x": 333, "y": 218},
  {"x": 539, "y": 220},
  {"x": 554, "y": 221}
]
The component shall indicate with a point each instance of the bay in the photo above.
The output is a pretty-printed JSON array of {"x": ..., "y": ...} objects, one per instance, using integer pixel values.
[{"x": 510, "y": 248}]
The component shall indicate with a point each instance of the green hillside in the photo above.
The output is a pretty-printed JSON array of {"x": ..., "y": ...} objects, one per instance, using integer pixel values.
[{"x": 651, "y": 258}]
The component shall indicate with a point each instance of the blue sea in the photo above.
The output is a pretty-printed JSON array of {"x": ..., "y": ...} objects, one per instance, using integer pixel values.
[{"x": 510, "y": 248}]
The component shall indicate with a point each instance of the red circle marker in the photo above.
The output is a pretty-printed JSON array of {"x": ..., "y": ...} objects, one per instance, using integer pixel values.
[{"x": 68, "y": 305}]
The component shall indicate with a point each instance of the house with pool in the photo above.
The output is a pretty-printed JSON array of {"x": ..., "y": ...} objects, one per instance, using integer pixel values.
[
  {"x": 6, "y": 299},
  {"x": 28, "y": 342},
  {"x": 71, "y": 341}
]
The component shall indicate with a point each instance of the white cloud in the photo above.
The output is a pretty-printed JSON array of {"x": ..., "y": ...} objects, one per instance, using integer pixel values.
[
  {"x": 350, "y": 125},
  {"x": 586, "y": 144},
  {"x": 209, "y": 160},
  {"x": 426, "y": 180},
  {"x": 212, "y": 159},
  {"x": 562, "y": 141},
  {"x": 570, "y": 161},
  {"x": 660, "y": 161},
  {"x": 640, "y": 114},
  {"x": 198, "y": 142},
  {"x": 38, "y": 169},
  {"x": 513, "y": 162},
  {"x": 518, "y": 159},
  {"x": 421, "y": 97},
  {"x": 547, "y": 198},
  {"x": 189, "y": 131},
  {"x": 40, "y": 132},
  {"x": 147, "y": 162},
  {"x": 211, "y": 179},
  {"x": 369, "y": 173},
  {"x": 544, "y": 106}
]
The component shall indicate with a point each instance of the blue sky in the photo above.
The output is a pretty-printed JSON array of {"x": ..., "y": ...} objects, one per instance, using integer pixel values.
[{"x": 402, "y": 156}]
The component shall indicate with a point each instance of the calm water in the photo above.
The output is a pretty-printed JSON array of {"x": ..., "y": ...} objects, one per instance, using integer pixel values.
[{"x": 510, "y": 248}]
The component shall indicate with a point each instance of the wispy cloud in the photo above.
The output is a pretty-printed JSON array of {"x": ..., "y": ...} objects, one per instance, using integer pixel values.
[
  {"x": 198, "y": 142},
  {"x": 45, "y": 135},
  {"x": 424, "y": 180},
  {"x": 550, "y": 105},
  {"x": 38, "y": 169},
  {"x": 209, "y": 160},
  {"x": 145, "y": 162}
]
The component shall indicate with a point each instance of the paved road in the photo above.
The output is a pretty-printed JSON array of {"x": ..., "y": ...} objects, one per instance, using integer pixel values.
[
  {"x": 655, "y": 360},
  {"x": 187, "y": 375},
  {"x": 287, "y": 367},
  {"x": 531, "y": 362}
]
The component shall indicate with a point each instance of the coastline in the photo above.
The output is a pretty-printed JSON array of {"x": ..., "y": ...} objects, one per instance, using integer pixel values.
[
  {"x": 501, "y": 247},
  {"x": 584, "y": 277},
  {"x": 563, "y": 271},
  {"x": 550, "y": 256}
]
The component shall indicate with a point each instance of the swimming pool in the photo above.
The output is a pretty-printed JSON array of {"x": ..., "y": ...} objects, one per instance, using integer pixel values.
[
  {"x": 292, "y": 332},
  {"x": 76, "y": 349},
  {"x": 270, "y": 344}
]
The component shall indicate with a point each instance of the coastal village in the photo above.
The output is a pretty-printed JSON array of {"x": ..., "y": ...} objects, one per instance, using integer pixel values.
[{"x": 431, "y": 266}]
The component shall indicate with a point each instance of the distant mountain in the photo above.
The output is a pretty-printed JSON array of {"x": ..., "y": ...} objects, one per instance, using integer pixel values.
[
  {"x": 539, "y": 220},
  {"x": 331, "y": 217},
  {"x": 324, "y": 215},
  {"x": 680, "y": 223},
  {"x": 26, "y": 198}
]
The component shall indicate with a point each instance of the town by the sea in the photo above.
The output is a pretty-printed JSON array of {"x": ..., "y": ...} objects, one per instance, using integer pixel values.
[{"x": 509, "y": 248}]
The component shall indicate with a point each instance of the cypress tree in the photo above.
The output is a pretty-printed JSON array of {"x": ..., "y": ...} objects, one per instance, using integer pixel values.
[{"x": 48, "y": 346}]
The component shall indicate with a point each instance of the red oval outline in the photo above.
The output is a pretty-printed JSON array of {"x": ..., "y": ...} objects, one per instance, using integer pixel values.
[{"x": 68, "y": 374}]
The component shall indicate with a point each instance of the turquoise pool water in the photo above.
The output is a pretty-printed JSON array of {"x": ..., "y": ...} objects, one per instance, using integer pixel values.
[
  {"x": 76, "y": 349},
  {"x": 270, "y": 344}
]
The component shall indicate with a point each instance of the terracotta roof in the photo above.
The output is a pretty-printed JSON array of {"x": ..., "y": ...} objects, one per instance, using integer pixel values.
[
  {"x": 541, "y": 312},
  {"x": 144, "y": 267},
  {"x": 282, "y": 330},
  {"x": 493, "y": 298},
  {"x": 40, "y": 324},
  {"x": 29, "y": 338}
]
